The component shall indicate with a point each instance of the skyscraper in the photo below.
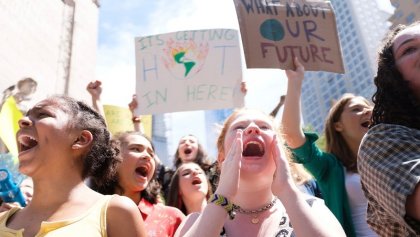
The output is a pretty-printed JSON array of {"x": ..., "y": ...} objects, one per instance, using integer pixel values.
[
  {"x": 53, "y": 42},
  {"x": 406, "y": 11},
  {"x": 361, "y": 27}
]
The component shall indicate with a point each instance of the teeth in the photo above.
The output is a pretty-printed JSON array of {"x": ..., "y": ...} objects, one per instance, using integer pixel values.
[
  {"x": 256, "y": 143},
  {"x": 26, "y": 140}
]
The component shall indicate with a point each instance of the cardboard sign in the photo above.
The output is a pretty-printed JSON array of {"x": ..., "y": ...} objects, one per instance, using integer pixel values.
[
  {"x": 275, "y": 31},
  {"x": 188, "y": 70},
  {"x": 9, "y": 125},
  {"x": 118, "y": 120}
]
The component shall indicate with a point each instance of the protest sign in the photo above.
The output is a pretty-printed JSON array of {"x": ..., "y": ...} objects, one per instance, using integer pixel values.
[
  {"x": 118, "y": 120},
  {"x": 9, "y": 118},
  {"x": 275, "y": 31},
  {"x": 188, "y": 70}
]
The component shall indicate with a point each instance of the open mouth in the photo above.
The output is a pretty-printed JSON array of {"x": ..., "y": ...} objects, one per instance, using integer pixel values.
[
  {"x": 142, "y": 171},
  {"x": 365, "y": 124},
  {"x": 187, "y": 151},
  {"x": 26, "y": 142},
  {"x": 253, "y": 148},
  {"x": 196, "y": 182}
]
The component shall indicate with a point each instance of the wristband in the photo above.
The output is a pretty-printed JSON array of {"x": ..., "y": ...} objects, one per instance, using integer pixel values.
[
  {"x": 136, "y": 119},
  {"x": 225, "y": 203}
]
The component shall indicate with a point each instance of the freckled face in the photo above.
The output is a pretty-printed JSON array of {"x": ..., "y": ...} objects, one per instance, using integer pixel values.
[
  {"x": 257, "y": 137},
  {"x": 406, "y": 49}
]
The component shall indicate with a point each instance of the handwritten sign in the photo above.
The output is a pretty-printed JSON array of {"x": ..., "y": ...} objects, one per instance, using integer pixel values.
[
  {"x": 188, "y": 70},
  {"x": 118, "y": 120},
  {"x": 275, "y": 31}
]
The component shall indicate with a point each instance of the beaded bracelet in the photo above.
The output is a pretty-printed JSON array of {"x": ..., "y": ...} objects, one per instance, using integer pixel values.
[{"x": 225, "y": 203}]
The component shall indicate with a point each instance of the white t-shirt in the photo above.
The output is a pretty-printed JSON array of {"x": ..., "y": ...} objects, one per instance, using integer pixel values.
[{"x": 358, "y": 205}]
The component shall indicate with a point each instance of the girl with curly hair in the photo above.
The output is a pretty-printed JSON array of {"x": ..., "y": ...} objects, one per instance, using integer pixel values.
[
  {"x": 390, "y": 152},
  {"x": 136, "y": 179},
  {"x": 62, "y": 142}
]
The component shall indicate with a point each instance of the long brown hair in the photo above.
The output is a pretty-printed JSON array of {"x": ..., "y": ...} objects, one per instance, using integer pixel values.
[
  {"x": 200, "y": 159},
  {"x": 174, "y": 198},
  {"x": 335, "y": 142}
]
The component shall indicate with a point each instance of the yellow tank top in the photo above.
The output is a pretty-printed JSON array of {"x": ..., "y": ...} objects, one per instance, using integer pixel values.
[{"x": 92, "y": 223}]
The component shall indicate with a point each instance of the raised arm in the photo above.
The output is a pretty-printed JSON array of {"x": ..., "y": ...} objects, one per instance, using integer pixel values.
[
  {"x": 211, "y": 220},
  {"x": 135, "y": 118},
  {"x": 309, "y": 216},
  {"x": 95, "y": 90},
  {"x": 278, "y": 106},
  {"x": 291, "y": 120}
]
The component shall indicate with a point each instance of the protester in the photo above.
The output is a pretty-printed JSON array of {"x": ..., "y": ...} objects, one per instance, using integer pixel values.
[
  {"x": 389, "y": 154},
  {"x": 189, "y": 150},
  {"x": 135, "y": 178},
  {"x": 95, "y": 90},
  {"x": 256, "y": 195},
  {"x": 189, "y": 188},
  {"x": 305, "y": 182},
  {"x": 336, "y": 169},
  {"x": 61, "y": 142}
]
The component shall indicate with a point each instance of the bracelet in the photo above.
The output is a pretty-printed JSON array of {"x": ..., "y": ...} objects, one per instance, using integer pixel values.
[
  {"x": 225, "y": 203},
  {"x": 136, "y": 119}
]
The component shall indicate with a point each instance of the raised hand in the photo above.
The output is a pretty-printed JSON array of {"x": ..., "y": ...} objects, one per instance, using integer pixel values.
[
  {"x": 133, "y": 104},
  {"x": 95, "y": 89},
  {"x": 298, "y": 73},
  {"x": 230, "y": 169},
  {"x": 282, "y": 179}
]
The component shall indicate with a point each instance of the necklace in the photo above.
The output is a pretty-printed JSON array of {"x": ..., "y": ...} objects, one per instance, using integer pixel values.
[{"x": 255, "y": 213}]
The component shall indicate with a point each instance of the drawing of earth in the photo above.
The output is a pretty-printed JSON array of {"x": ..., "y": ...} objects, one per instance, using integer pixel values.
[{"x": 184, "y": 59}]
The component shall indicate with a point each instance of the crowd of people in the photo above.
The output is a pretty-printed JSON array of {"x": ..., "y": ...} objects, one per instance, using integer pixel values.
[{"x": 268, "y": 179}]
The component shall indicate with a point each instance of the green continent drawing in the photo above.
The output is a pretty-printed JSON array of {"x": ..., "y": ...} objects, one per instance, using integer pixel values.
[{"x": 179, "y": 58}]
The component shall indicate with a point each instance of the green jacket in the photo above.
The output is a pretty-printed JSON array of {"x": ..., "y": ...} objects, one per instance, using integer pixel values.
[{"x": 330, "y": 175}]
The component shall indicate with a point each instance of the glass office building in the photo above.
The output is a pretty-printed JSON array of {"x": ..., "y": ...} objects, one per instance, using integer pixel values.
[{"x": 361, "y": 27}]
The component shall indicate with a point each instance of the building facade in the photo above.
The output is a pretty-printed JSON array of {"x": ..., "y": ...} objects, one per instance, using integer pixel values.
[
  {"x": 406, "y": 11},
  {"x": 361, "y": 27},
  {"x": 53, "y": 42}
]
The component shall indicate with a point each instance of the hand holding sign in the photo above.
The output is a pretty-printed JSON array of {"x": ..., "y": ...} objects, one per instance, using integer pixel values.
[{"x": 275, "y": 32}]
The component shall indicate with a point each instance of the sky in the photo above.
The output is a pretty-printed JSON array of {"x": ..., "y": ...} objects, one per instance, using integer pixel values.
[{"x": 121, "y": 21}]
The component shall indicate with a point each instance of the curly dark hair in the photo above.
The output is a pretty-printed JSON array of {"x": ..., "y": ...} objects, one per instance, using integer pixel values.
[
  {"x": 112, "y": 186},
  {"x": 394, "y": 102},
  {"x": 201, "y": 158},
  {"x": 102, "y": 158}
]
